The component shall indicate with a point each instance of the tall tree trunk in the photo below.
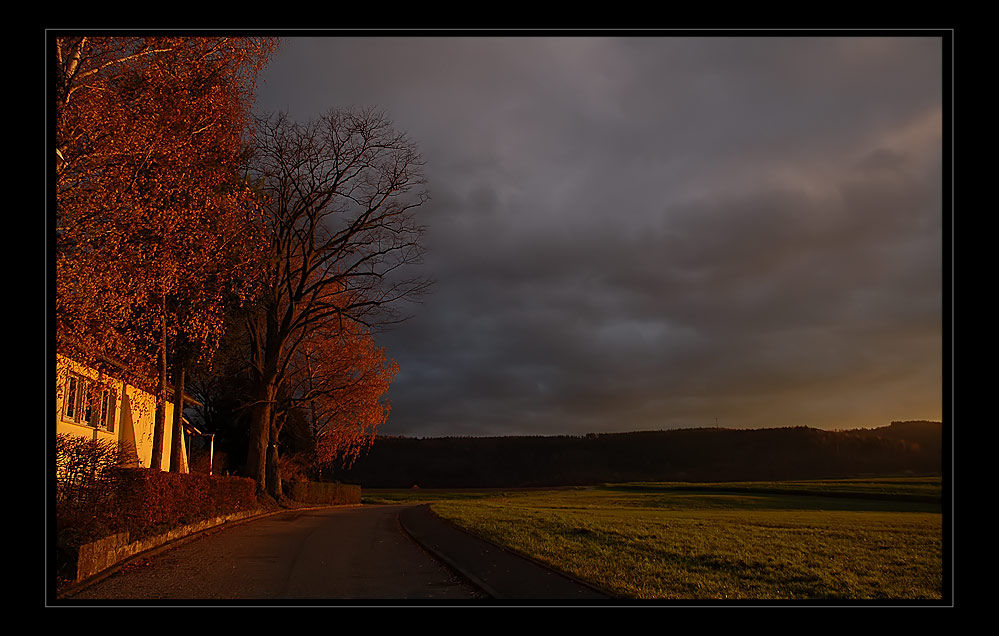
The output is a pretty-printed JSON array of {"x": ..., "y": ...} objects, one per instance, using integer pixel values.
[
  {"x": 260, "y": 420},
  {"x": 159, "y": 422},
  {"x": 273, "y": 460},
  {"x": 268, "y": 352},
  {"x": 176, "y": 436}
]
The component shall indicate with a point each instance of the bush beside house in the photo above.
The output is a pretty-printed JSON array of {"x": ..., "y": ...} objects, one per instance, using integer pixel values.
[
  {"x": 150, "y": 500},
  {"x": 95, "y": 498},
  {"x": 98, "y": 501}
]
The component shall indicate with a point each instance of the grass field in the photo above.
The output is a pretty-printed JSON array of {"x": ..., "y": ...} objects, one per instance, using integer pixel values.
[{"x": 872, "y": 539}]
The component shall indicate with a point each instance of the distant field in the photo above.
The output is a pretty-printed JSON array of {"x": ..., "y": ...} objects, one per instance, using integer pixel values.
[{"x": 808, "y": 540}]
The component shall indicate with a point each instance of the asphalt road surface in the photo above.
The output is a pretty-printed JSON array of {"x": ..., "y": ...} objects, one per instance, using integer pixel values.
[{"x": 332, "y": 554}]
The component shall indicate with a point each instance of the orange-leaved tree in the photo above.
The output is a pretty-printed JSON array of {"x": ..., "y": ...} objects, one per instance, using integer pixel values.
[
  {"x": 337, "y": 379},
  {"x": 154, "y": 227}
]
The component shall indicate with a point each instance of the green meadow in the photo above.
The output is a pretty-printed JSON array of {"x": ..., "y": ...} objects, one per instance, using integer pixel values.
[{"x": 860, "y": 539}]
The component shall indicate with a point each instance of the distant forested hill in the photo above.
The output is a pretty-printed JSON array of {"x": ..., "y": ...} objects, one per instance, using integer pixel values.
[{"x": 704, "y": 454}]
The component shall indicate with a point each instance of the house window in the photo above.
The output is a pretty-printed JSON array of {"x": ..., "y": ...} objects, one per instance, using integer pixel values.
[
  {"x": 72, "y": 391},
  {"x": 89, "y": 403}
]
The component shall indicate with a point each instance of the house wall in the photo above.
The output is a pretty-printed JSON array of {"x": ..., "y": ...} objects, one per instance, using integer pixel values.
[{"x": 134, "y": 415}]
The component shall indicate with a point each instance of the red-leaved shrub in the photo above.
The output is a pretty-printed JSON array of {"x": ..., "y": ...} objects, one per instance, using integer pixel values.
[
  {"x": 150, "y": 500},
  {"x": 96, "y": 496}
]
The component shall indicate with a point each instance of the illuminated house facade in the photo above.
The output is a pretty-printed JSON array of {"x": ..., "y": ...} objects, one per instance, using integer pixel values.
[{"x": 99, "y": 407}]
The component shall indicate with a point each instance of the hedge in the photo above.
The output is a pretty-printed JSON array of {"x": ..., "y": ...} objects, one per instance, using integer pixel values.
[
  {"x": 317, "y": 492},
  {"x": 145, "y": 501},
  {"x": 151, "y": 499}
]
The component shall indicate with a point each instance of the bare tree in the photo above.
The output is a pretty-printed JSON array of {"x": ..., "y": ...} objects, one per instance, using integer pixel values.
[{"x": 340, "y": 196}]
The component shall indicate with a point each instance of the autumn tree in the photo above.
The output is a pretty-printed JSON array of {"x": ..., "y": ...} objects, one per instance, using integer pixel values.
[
  {"x": 337, "y": 379},
  {"x": 153, "y": 226},
  {"x": 339, "y": 197}
]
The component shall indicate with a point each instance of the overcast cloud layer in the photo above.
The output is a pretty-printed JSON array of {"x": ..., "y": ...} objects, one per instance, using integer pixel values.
[{"x": 648, "y": 233}]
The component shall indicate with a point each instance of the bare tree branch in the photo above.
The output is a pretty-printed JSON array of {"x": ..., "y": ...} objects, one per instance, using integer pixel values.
[{"x": 340, "y": 198}]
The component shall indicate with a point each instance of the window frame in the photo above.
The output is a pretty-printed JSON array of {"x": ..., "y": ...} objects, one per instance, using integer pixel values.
[{"x": 89, "y": 403}]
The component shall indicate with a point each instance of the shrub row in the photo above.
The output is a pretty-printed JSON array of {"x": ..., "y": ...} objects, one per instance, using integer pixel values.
[
  {"x": 324, "y": 493},
  {"x": 150, "y": 499},
  {"x": 144, "y": 501}
]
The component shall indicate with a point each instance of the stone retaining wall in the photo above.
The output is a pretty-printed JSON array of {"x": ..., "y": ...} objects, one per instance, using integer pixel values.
[{"x": 94, "y": 558}]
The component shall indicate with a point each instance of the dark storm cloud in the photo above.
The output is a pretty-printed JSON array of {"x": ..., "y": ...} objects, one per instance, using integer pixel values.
[{"x": 644, "y": 233}]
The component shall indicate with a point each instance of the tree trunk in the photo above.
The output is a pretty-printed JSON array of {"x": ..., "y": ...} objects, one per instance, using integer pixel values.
[
  {"x": 176, "y": 437},
  {"x": 273, "y": 463},
  {"x": 260, "y": 421},
  {"x": 262, "y": 413},
  {"x": 159, "y": 422}
]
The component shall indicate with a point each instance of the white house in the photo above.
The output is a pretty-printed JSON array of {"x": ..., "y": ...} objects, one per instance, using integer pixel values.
[{"x": 98, "y": 406}]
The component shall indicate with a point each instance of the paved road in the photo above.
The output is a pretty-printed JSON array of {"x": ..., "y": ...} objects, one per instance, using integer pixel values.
[{"x": 328, "y": 554}]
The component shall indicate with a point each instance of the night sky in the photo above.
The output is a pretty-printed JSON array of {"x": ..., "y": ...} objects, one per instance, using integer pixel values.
[{"x": 643, "y": 233}]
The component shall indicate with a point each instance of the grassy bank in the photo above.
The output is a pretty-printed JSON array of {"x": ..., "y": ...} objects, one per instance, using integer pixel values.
[{"x": 723, "y": 541}]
